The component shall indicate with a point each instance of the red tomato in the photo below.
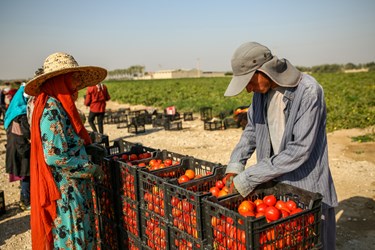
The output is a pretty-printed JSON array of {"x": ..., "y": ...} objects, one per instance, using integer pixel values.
[
  {"x": 280, "y": 205},
  {"x": 269, "y": 200},
  {"x": 182, "y": 179},
  {"x": 261, "y": 208},
  {"x": 272, "y": 213},
  {"x": 133, "y": 157},
  {"x": 215, "y": 191},
  {"x": 219, "y": 184},
  {"x": 258, "y": 201},
  {"x": 291, "y": 205},
  {"x": 167, "y": 162},
  {"x": 296, "y": 211}
]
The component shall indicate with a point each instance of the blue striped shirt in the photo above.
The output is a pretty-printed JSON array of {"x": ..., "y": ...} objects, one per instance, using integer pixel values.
[{"x": 303, "y": 157}]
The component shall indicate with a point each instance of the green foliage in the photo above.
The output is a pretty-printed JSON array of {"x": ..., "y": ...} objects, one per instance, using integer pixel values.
[
  {"x": 364, "y": 138},
  {"x": 188, "y": 94},
  {"x": 350, "y": 97}
]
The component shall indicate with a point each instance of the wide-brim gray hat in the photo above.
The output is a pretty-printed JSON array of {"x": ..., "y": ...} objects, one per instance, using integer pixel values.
[
  {"x": 62, "y": 63},
  {"x": 252, "y": 56}
]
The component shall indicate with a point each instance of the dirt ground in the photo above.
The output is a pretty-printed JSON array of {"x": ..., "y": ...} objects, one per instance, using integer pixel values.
[{"x": 352, "y": 165}]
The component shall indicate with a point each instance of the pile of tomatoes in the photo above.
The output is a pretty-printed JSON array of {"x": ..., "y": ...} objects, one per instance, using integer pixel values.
[
  {"x": 269, "y": 207},
  {"x": 220, "y": 189},
  {"x": 290, "y": 233},
  {"x": 129, "y": 217},
  {"x": 155, "y": 232},
  {"x": 184, "y": 216}
]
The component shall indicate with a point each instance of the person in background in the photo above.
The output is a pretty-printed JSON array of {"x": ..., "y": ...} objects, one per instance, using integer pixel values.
[
  {"x": 96, "y": 98},
  {"x": 17, "y": 158},
  {"x": 287, "y": 128},
  {"x": 62, "y": 211}
]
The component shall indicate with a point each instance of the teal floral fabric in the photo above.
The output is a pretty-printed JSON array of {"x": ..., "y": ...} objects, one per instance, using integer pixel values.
[{"x": 64, "y": 152}]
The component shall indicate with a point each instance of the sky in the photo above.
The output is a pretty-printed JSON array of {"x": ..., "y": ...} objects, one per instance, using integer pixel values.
[{"x": 162, "y": 35}]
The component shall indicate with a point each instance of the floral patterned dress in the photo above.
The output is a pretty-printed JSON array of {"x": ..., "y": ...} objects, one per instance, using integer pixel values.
[{"x": 64, "y": 152}]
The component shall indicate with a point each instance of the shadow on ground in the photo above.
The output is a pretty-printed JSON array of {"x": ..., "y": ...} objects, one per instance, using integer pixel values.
[{"x": 355, "y": 223}]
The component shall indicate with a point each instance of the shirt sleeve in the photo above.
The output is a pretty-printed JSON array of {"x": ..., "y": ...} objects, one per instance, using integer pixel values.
[
  {"x": 245, "y": 147},
  {"x": 88, "y": 97},
  {"x": 62, "y": 147},
  {"x": 295, "y": 153}
]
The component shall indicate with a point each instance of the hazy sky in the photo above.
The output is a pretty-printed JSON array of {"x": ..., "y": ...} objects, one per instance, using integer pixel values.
[{"x": 160, "y": 34}]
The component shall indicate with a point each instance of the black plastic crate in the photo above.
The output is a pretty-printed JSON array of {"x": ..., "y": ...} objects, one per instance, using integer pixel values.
[
  {"x": 184, "y": 202},
  {"x": 136, "y": 128},
  {"x": 129, "y": 216},
  {"x": 109, "y": 179},
  {"x": 181, "y": 240},
  {"x": 188, "y": 116},
  {"x": 99, "y": 138},
  {"x": 229, "y": 122},
  {"x": 129, "y": 241},
  {"x": 152, "y": 190},
  {"x": 126, "y": 170},
  {"x": 173, "y": 125},
  {"x": 2, "y": 202},
  {"x": 206, "y": 113},
  {"x": 213, "y": 125},
  {"x": 106, "y": 203},
  {"x": 108, "y": 234},
  {"x": 155, "y": 233},
  {"x": 225, "y": 227}
]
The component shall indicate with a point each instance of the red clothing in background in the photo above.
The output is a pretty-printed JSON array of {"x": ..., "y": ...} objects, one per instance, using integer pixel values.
[{"x": 96, "y": 97}]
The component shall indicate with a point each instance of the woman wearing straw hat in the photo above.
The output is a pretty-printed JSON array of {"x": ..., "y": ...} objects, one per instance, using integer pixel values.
[{"x": 62, "y": 213}]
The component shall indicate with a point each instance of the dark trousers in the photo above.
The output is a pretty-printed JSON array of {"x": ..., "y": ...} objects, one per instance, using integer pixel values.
[
  {"x": 25, "y": 190},
  {"x": 99, "y": 119},
  {"x": 328, "y": 228}
]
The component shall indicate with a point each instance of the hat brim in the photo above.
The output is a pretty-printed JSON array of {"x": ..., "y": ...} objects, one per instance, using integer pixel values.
[
  {"x": 238, "y": 83},
  {"x": 90, "y": 76}
]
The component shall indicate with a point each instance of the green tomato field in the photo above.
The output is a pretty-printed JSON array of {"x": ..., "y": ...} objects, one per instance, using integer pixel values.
[{"x": 350, "y": 97}]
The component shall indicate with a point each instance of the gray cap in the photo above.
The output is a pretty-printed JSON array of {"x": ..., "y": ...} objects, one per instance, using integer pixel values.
[{"x": 252, "y": 56}]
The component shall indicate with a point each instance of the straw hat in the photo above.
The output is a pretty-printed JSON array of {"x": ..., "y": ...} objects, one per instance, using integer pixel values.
[{"x": 62, "y": 63}]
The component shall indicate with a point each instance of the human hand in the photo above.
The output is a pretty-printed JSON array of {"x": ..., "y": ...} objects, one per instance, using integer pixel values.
[{"x": 230, "y": 184}]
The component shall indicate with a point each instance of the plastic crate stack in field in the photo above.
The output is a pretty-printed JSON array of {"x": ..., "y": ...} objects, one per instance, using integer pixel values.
[
  {"x": 153, "y": 186},
  {"x": 126, "y": 172},
  {"x": 227, "y": 229},
  {"x": 185, "y": 209},
  {"x": 107, "y": 193}
]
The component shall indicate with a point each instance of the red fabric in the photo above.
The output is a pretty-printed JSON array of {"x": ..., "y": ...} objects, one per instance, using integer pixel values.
[
  {"x": 96, "y": 98},
  {"x": 43, "y": 189}
]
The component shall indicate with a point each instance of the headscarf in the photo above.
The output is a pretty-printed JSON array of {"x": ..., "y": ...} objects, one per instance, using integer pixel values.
[
  {"x": 16, "y": 107},
  {"x": 43, "y": 187}
]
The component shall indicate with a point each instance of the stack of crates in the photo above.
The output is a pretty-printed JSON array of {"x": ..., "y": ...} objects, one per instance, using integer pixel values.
[
  {"x": 227, "y": 229},
  {"x": 185, "y": 209},
  {"x": 206, "y": 113},
  {"x": 128, "y": 211},
  {"x": 107, "y": 193},
  {"x": 153, "y": 195}
]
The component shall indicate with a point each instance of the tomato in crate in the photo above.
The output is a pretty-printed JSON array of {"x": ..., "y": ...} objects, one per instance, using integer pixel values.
[
  {"x": 181, "y": 240},
  {"x": 108, "y": 234},
  {"x": 254, "y": 222},
  {"x": 154, "y": 231},
  {"x": 129, "y": 241},
  {"x": 151, "y": 183},
  {"x": 130, "y": 216},
  {"x": 105, "y": 201},
  {"x": 126, "y": 170},
  {"x": 184, "y": 203}
]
